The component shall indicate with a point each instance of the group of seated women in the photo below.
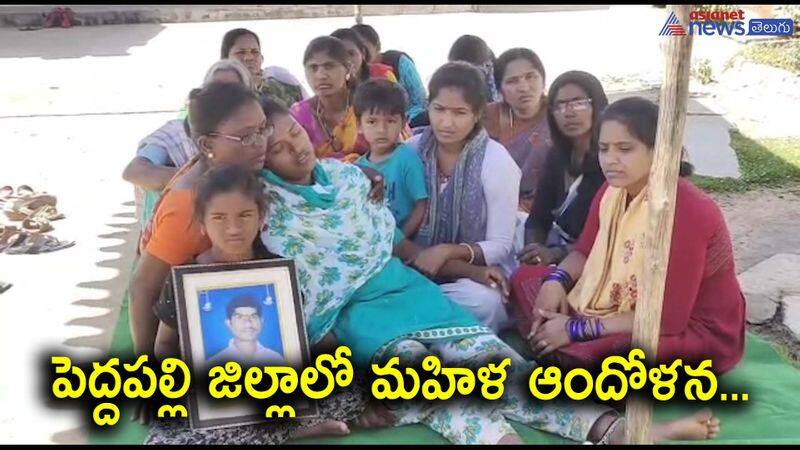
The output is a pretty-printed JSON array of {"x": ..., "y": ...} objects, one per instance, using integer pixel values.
[{"x": 430, "y": 223}]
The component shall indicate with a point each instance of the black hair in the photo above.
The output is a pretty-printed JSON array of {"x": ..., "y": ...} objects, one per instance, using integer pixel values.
[
  {"x": 471, "y": 49},
  {"x": 241, "y": 301},
  {"x": 640, "y": 117},
  {"x": 514, "y": 54},
  {"x": 382, "y": 96},
  {"x": 463, "y": 76},
  {"x": 368, "y": 34},
  {"x": 211, "y": 105},
  {"x": 225, "y": 179},
  {"x": 347, "y": 34},
  {"x": 332, "y": 47},
  {"x": 231, "y": 37},
  {"x": 272, "y": 108},
  {"x": 594, "y": 90}
]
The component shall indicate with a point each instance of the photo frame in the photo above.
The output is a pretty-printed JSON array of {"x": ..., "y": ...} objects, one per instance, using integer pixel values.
[{"x": 250, "y": 312}]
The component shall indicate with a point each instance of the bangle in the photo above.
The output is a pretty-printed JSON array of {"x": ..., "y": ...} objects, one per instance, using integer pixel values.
[
  {"x": 582, "y": 329},
  {"x": 471, "y": 252},
  {"x": 562, "y": 277}
]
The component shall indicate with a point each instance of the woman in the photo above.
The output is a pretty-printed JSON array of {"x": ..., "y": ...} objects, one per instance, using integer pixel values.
[
  {"x": 230, "y": 207},
  {"x": 473, "y": 185},
  {"x": 359, "y": 56},
  {"x": 519, "y": 121},
  {"x": 361, "y": 296},
  {"x": 475, "y": 51},
  {"x": 704, "y": 311},
  {"x": 571, "y": 174},
  {"x": 164, "y": 151},
  {"x": 229, "y": 125},
  {"x": 403, "y": 66},
  {"x": 328, "y": 117},
  {"x": 243, "y": 45}
]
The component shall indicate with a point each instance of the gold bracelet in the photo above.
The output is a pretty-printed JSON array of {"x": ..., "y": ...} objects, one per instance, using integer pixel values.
[{"x": 471, "y": 252}]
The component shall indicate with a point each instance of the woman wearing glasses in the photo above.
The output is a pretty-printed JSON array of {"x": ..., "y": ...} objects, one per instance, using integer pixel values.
[
  {"x": 571, "y": 174},
  {"x": 570, "y": 179},
  {"x": 227, "y": 126}
]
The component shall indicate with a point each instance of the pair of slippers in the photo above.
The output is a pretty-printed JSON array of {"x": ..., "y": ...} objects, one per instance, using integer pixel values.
[
  {"x": 35, "y": 209},
  {"x": 14, "y": 241}
]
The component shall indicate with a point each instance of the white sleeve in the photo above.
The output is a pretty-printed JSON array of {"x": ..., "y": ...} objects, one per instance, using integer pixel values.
[{"x": 501, "y": 177}]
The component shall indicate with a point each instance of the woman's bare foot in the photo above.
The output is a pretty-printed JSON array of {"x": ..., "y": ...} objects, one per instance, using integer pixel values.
[
  {"x": 510, "y": 439},
  {"x": 327, "y": 428},
  {"x": 699, "y": 426},
  {"x": 376, "y": 415}
]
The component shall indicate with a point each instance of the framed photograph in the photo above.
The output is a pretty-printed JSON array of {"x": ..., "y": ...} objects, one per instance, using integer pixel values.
[{"x": 248, "y": 312}]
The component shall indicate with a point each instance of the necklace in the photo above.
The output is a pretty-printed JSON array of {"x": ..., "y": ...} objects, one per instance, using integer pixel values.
[
  {"x": 335, "y": 144},
  {"x": 320, "y": 113}
]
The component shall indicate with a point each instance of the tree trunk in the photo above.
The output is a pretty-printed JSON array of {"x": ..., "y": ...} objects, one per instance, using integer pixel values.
[{"x": 662, "y": 187}]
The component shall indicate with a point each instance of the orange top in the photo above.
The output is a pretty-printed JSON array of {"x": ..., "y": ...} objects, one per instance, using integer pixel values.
[{"x": 173, "y": 235}]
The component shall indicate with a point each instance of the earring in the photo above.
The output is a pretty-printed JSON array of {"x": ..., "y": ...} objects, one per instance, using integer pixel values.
[
  {"x": 347, "y": 77},
  {"x": 210, "y": 155}
]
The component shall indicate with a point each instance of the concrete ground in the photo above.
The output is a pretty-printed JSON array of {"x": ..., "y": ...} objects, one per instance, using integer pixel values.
[{"x": 75, "y": 102}]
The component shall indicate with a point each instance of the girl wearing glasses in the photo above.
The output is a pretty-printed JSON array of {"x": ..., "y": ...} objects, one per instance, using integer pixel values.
[{"x": 571, "y": 174}]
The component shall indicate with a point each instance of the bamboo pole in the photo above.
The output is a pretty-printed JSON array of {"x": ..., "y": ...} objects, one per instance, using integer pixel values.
[
  {"x": 357, "y": 13},
  {"x": 662, "y": 187}
]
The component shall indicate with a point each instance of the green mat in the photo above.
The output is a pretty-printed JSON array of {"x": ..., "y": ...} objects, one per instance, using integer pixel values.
[{"x": 771, "y": 416}]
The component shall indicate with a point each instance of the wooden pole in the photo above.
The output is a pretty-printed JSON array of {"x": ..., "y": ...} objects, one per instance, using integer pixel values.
[
  {"x": 662, "y": 187},
  {"x": 357, "y": 12}
]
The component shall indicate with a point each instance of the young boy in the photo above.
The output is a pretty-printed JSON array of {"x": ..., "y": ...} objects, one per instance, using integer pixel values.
[{"x": 380, "y": 108}]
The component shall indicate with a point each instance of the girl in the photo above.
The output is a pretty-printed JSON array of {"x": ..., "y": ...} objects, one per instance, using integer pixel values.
[{"x": 230, "y": 207}]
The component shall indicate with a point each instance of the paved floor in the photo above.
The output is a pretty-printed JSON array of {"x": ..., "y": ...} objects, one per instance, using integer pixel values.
[{"x": 69, "y": 300}]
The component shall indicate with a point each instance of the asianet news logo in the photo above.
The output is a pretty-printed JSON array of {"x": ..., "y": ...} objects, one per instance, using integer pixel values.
[{"x": 725, "y": 23}]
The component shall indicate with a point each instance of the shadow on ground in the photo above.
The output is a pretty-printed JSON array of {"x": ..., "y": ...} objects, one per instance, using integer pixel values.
[
  {"x": 76, "y": 42},
  {"x": 114, "y": 289}
]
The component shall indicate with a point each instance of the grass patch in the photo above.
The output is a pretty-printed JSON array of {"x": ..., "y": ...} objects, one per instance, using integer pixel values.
[
  {"x": 763, "y": 163},
  {"x": 783, "y": 55}
]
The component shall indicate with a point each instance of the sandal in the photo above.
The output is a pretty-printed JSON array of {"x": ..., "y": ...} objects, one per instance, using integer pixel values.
[
  {"x": 16, "y": 243},
  {"x": 22, "y": 209},
  {"x": 36, "y": 224},
  {"x": 43, "y": 243},
  {"x": 35, "y": 243},
  {"x": 6, "y": 233}
]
